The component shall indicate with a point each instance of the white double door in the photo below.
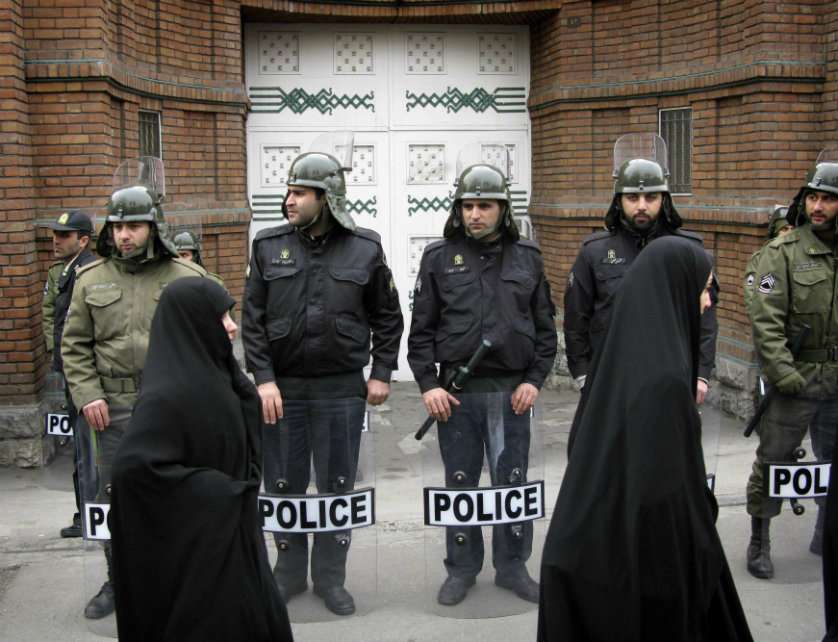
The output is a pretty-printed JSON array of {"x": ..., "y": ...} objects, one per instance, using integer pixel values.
[{"x": 409, "y": 125}]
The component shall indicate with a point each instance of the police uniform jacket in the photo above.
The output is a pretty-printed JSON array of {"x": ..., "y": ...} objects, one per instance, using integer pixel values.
[
  {"x": 468, "y": 291},
  {"x": 106, "y": 334},
  {"x": 794, "y": 284},
  {"x": 310, "y": 305},
  {"x": 594, "y": 279},
  {"x": 48, "y": 304},
  {"x": 64, "y": 282}
]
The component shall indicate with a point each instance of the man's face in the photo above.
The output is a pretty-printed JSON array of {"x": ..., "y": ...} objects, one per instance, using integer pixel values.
[
  {"x": 131, "y": 236},
  {"x": 641, "y": 209},
  {"x": 480, "y": 216},
  {"x": 821, "y": 208},
  {"x": 302, "y": 205},
  {"x": 66, "y": 245},
  {"x": 186, "y": 255},
  {"x": 785, "y": 230}
]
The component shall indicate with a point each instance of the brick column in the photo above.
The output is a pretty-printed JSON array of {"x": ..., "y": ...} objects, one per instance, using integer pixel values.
[{"x": 22, "y": 359}]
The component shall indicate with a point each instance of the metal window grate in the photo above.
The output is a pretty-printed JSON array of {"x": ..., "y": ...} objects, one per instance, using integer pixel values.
[
  {"x": 676, "y": 131},
  {"x": 150, "y": 134}
]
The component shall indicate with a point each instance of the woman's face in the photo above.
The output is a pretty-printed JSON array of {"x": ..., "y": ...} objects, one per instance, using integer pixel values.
[
  {"x": 704, "y": 302},
  {"x": 230, "y": 326}
]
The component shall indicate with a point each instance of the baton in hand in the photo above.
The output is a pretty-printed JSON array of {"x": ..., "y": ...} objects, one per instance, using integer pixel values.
[
  {"x": 796, "y": 347},
  {"x": 457, "y": 380}
]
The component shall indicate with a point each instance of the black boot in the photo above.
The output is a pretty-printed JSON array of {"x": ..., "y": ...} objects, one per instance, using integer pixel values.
[
  {"x": 816, "y": 545},
  {"x": 102, "y": 603},
  {"x": 759, "y": 550},
  {"x": 74, "y": 529}
]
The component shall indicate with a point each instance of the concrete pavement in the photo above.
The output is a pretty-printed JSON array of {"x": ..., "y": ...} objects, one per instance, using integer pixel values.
[{"x": 395, "y": 567}]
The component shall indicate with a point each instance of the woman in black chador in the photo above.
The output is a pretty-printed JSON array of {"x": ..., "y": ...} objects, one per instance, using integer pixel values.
[
  {"x": 189, "y": 555},
  {"x": 830, "y": 556},
  {"x": 632, "y": 554}
]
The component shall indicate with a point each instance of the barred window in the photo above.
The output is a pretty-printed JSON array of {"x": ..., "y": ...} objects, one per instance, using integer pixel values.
[
  {"x": 150, "y": 143},
  {"x": 677, "y": 132}
]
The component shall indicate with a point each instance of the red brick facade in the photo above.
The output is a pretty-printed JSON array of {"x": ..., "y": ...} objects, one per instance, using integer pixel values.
[{"x": 761, "y": 79}]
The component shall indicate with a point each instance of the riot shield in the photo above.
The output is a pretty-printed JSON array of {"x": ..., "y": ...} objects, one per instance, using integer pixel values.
[
  {"x": 317, "y": 514},
  {"x": 96, "y": 450},
  {"x": 487, "y": 471}
]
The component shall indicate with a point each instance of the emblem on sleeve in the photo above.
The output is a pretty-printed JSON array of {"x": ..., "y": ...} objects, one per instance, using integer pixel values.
[
  {"x": 750, "y": 280},
  {"x": 767, "y": 283}
]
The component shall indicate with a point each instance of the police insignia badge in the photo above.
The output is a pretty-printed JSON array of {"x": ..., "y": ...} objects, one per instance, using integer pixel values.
[
  {"x": 285, "y": 253},
  {"x": 612, "y": 256},
  {"x": 750, "y": 280},
  {"x": 766, "y": 283},
  {"x": 62, "y": 220},
  {"x": 458, "y": 259}
]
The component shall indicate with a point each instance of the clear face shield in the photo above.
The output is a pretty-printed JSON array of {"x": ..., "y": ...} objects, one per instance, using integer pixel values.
[
  {"x": 146, "y": 171},
  {"x": 645, "y": 146},
  {"x": 340, "y": 145},
  {"x": 483, "y": 473},
  {"x": 319, "y": 504}
]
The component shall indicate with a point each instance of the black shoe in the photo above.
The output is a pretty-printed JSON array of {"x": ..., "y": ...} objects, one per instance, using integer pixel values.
[
  {"x": 520, "y": 583},
  {"x": 759, "y": 550},
  {"x": 101, "y": 604},
  {"x": 337, "y": 599},
  {"x": 453, "y": 590},
  {"x": 74, "y": 530}
]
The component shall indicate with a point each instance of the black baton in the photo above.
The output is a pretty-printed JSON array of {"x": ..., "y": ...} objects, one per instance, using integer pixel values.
[
  {"x": 457, "y": 380},
  {"x": 796, "y": 348}
]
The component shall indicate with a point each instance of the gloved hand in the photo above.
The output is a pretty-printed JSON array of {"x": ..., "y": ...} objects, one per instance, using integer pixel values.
[{"x": 791, "y": 384}]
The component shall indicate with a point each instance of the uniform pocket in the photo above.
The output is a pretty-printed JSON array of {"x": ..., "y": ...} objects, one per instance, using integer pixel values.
[
  {"x": 450, "y": 282},
  {"x": 277, "y": 328},
  {"x": 108, "y": 320},
  {"x": 273, "y": 272},
  {"x": 352, "y": 275},
  {"x": 812, "y": 292},
  {"x": 353, "y": 329}
]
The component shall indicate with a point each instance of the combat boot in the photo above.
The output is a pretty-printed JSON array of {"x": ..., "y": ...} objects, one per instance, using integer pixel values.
[
  {"x": 102, "y": 604},
  {"x": 759, "y": 550},
  {"x": 816, "y": 545}
]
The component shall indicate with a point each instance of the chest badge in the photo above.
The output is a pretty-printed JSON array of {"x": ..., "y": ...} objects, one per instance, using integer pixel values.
[
  {"x": 284, "y": 258},
  {"x": 458, "y": 259},
  {"x": 612, "y": 259}
]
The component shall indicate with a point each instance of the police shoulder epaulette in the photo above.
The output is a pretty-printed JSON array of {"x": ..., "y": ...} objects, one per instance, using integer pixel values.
[
  {"x": 435, "y": 245},
  {"x": 602, "y": 234},
  {"x": 192, "y": 266},
  {"x": 370, "y": 235},
  {"x": 279, "y": 230},
  {"x": 693, "y": 236},
  {"x": 90, "y": 266},
  {"x": 791, "y": 237},
  {"x": 530, "y": 244}
]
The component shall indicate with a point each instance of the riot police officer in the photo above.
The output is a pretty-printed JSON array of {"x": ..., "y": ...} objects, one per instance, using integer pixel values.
[
  {"x": 71, "y": 235},
  {"x": 640, "y": 211},
  {"x": 482, "y": 281},
  {"x": 794, "y": 284},
  {"x": 316, "y": 288},
  {"x": 189, "y": 249},
  {"x": 106, "y": 334},
  {"x": 778, "y": 225}
]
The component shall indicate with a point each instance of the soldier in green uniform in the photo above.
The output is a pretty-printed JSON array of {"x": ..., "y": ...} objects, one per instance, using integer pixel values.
[
  {"x": 106, "y": 334},
  {"x": 778, "y": 225},
  {"x": 793, "y": 285},
  {"x": 71, "y": 235},
  {"x": 189, "y": 249}
]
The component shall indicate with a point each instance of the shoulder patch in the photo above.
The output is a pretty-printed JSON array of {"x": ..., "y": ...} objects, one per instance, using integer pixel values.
[
  {"x": 767, "y": 283},
  {"x": 279, "y": 230},
  {"x": 596, "y": 236},
  {"x": 370, "y": 235},
  {"x": 90, "y": 266}
]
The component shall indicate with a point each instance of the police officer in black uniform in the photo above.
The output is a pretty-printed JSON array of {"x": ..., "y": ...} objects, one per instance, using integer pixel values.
[
  {"x": 316, "y": 288},
  {"x": 483, "y": 282},
  {"x": 641, "y": 211},
  {"x": 71, "y": 233}
]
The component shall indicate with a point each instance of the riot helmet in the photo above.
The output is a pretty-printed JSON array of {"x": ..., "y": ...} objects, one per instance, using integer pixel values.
[
  {"x": 823, "y": 177},
  {"x": 778, "y": 220},
  {"x": 478, "y": 179},
  {"x": 187, "y": 241},
  {"x": 323, "y": 168},
  {"x": 139, "y": 190},
  {"x": 640, "y": 167}
]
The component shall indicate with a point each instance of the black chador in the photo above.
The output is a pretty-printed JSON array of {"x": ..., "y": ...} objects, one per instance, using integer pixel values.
[
  {"x": 632, "y": 554},
  {"x": 830, "y": 556},
  {"x": 189, "y": 555}
]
